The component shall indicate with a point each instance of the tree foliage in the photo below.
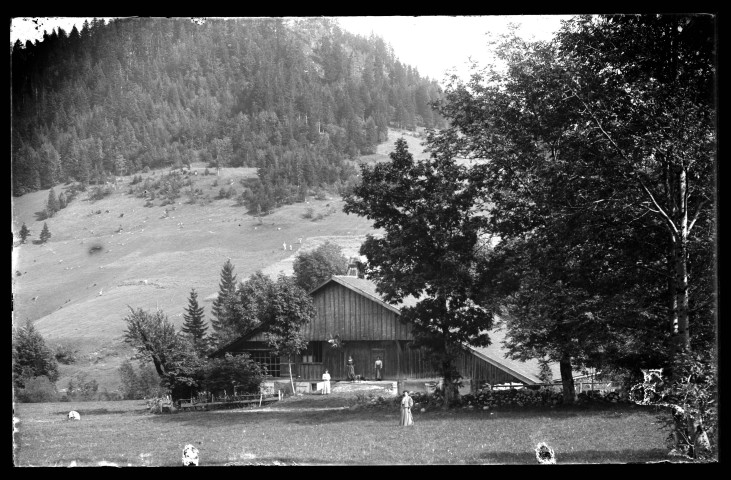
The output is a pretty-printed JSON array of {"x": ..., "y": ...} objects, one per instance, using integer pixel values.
[
  {"x": 293, "y": 98},
  {"x": 52, "y": 205},
  {"x": 45, "y": 233},
  {"x": 584, "y": 147},
  {"x": 231, "y": 372},
  {"x": 155, "y": 340},
  {"x": 139, "y": 383},
  {"x": 427, "y": 250},
  {"x": 226, "y": 288},
  {"x": 290, "y": 308},
  {"x": 195, "y": 326},
  {"x": 37, "y": 390},
  {"x": 24, "y": 232},
  {"x": 313, "y": 268},
  {"x": 243, "y": 309},
  {"x": 32, "y": 358}
]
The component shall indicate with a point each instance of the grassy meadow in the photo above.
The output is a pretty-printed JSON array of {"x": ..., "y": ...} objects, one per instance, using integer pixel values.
[
  {"x": 112, "y": 253},
  {"x": 320, "y": 430}
]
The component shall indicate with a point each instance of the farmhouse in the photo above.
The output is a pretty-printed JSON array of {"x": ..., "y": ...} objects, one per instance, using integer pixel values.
[{"x": 352, "y": 320}]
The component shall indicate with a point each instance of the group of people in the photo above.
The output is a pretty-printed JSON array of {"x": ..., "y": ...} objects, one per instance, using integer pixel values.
[
  {"x": 407, "y": 403},
  {"x": 350, "y": 364}
]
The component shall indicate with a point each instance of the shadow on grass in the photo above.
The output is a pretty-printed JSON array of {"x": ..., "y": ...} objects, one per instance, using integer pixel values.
[
  {"x": 578, "y": 456},
  {"x": 231, "y": 417},
  {"x": 331, "y": 411},
  {"x": 103, "y": 411}
]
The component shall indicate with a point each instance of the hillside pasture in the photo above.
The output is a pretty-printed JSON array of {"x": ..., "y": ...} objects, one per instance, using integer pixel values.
[
  {"x": 105, "y": 255},
  {"x": 78, "y": 285},
  {"x": 326, "y": 430}
]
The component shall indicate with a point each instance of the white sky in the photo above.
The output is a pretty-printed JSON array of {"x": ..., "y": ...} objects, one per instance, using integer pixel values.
[
  {"x": 432, "y": 44},
  {"x": 436, "y": 44}
]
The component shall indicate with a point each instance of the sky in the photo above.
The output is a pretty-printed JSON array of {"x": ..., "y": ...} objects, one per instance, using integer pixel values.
[
  {"x": 432, "y": 44},
  {"x": 436, "y": 44}
]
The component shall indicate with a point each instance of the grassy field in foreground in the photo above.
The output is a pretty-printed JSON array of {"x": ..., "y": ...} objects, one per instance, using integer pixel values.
[{"x": 323, "y": 430}]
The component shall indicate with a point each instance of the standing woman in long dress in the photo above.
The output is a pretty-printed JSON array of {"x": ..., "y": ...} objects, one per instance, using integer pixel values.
[
  {"x": 406, "y": 403},
  {"x": 326, "y": 383},
  {"x": 379, "y": 367}
]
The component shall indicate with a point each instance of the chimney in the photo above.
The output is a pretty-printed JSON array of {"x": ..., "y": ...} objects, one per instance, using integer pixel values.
[{"x": 353, "y": 267}]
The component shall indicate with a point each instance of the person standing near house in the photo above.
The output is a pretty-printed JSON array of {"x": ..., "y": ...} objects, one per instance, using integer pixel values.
[
  {"x": 406, "y": 404},
  {"x": 351, "y": 368},
  {"x": 326, "y": 380},
  {"x": 379, "y": 367}
]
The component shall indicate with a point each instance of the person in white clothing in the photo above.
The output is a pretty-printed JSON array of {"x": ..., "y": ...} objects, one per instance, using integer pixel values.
[{"x": 326, "y": 380}]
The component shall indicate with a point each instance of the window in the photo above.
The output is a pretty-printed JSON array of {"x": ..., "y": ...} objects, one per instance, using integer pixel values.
[
  {"x": 267, "y": 359},
  {"x": 313, "y": 354}
]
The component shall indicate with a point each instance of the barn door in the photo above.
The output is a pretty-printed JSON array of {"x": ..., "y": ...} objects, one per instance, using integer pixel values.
[{"x": 375, "y": 353}]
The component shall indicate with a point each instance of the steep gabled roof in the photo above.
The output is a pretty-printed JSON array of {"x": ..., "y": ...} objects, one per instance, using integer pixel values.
[
  {"x": 367, "y": 288},
  {"x": 259, "y": 328}
]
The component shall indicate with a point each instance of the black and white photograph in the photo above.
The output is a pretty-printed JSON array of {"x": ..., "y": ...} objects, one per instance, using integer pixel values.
[{"x": 386, "y": 240}]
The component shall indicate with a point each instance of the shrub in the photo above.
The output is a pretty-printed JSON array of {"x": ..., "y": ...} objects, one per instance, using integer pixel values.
[
  {"x": 37, "y": 389},
  {"x": 690, "y": 397},
  {"x": 82, "y": 390},
  {"x": 65, "y": 354},
  {"x": 309, "y": 212},
  {"x": 100, "y": 191},
  {"x": 223, "y": 373},
  {"x": 139, "y": 383}
]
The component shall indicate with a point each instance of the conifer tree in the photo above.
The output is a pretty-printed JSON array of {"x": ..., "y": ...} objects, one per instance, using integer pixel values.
[
  {"x": 45, "y": 233},
  {"x": 24, "y": 232},
  {"x": 62, "y": 201},
  {"x": 31, "y": 356},
  {"x": 227, "y": 287},
  {"x": 52, "y": 206},
  {"x": 194, "y": 324}
]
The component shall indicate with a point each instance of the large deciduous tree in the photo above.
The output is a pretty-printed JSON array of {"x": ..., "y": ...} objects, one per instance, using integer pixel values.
[
  {"x": 598, "y": 164},
  {"x": 427, "y": 251},
  {"x": 289, "y": 309},
  {"x": 155, "y": 340},
  {"x": 645, "y": 86},
  {"x": 244, "y": 309}
]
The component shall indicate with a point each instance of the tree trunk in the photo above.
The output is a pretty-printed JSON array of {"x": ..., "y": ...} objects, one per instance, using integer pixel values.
[
  {"x": 446, "y": 371},
  {"x": 567, "y": 379},
  {"x": 681, "y": 288},
  {"x": 291, "y": 380},
  {"x": 446, "y": 384}
]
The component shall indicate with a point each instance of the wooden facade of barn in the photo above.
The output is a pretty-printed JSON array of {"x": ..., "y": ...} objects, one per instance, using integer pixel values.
[{"x": 350, "y": 310}]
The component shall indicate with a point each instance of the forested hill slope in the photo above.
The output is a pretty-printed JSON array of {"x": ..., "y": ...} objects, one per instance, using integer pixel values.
[{"x": 295, "y": 98}]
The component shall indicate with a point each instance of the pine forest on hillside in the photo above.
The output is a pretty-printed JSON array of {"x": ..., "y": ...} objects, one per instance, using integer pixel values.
[{"x": 296, "y": 99}]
